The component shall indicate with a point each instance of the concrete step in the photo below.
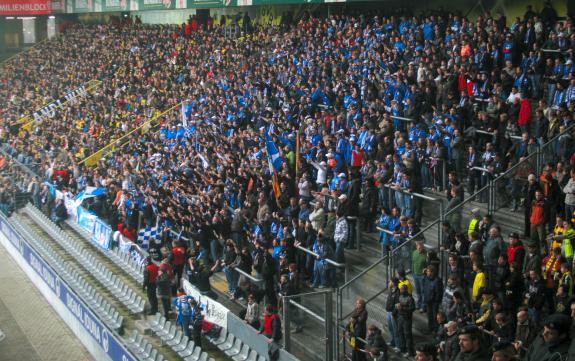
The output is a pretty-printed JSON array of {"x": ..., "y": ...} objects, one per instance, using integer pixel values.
[{"x": 129, "y": 319}]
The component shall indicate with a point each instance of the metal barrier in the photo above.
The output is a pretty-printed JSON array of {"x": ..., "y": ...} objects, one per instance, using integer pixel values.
[
  {"x": 331, "y": 262},
  {"x": 378, "y": 275},
  {"x": 248, "y": 276},
  {"x": 318, "y": 310}
]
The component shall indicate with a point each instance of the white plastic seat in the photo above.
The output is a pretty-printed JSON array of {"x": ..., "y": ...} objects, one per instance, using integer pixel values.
[
  {"x": 235, "y": 349},
  {"x": 188, "y": 350},
  {"x": 228, "y": 344},
  {"x": 243, "y": 355}
]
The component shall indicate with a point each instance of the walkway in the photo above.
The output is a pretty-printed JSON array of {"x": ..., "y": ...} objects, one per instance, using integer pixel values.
[{"x": 34, "y": 331}]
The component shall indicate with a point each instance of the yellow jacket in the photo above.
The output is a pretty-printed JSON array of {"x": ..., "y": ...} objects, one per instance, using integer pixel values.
[
  {"x": 472, "y": 226},
  {"x": 479, "y": 282}
]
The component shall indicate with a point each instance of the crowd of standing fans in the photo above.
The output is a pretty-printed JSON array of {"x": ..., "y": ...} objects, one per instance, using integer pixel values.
[{"x": 355, "y": 106}]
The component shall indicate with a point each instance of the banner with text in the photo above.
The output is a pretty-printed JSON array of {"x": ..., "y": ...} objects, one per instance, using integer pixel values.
[
  {"x": 86, "y": 219},
  {"x": 115, "y": 5},
  {"x": 25, "y": 7},
  {"x": 157, "y": 4},
  {"x": 102, "y": 234},
  {"x": 82, "y": 6},
  {"x": 49, "y": 111},
  {"x": 105, "y": 338},
  {"x": 214, "y": 312}
]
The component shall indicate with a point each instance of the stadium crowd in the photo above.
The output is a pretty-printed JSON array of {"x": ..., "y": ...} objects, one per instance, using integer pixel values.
[{"x": 274, "y": 139}]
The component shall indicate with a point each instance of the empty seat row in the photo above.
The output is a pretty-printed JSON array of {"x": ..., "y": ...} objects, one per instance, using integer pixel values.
[
  {"x": 131, "y": 267},
  {"x": 142, "y": 349},
  {"x": 171, "y": 335},
  {"x": 104, "y": 310},
  {"x": 234, "y": 347},
  {"x": 124, "y": 293}
]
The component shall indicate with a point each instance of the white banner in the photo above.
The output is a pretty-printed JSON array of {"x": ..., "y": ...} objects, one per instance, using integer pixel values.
[
  {"x": 49, "y": 111},
  {"x": 214, "y": 312}
]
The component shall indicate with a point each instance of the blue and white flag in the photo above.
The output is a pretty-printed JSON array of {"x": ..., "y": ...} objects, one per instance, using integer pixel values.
[
  {"x": 90, "y": 192},
  {"x": 274, "y": 158},
  {"x": 147, "y": 234},
  {"x": 186, "y": 111}
]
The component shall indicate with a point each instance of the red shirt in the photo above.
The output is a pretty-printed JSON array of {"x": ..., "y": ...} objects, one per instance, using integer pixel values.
[
  {"x": 178, "y": 253},
  {"x": 357, "y": 158},
  {"x": 152, "y": 273}
]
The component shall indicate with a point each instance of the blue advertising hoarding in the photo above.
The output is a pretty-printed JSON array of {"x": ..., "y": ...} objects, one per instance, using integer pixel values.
[{"x": 107, "y": 340}]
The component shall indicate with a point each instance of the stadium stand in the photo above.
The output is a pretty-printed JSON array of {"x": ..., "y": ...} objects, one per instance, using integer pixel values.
[{"x": 419, "y": 166}]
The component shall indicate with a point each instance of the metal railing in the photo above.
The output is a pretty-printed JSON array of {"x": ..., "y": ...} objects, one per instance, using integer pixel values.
[
  {"x": 301, "y": 303},
  {"x": 330, "y": 261},
  {"x": 256, "y": 280}
]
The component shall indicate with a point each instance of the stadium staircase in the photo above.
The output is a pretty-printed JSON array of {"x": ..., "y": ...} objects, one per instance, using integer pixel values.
[{"x": 111, "y": 285}]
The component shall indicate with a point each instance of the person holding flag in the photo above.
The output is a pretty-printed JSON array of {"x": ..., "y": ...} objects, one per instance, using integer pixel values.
[{"x": 275, "y": 162}]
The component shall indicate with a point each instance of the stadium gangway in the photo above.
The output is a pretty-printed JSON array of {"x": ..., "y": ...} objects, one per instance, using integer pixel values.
[{"x": 116, "y": 144}]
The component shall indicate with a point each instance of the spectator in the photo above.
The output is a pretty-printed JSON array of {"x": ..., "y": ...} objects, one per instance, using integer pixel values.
[
  {"x": 393, "y": 315},
  {"x": 252, "y": 313},
  {"x": 375, "y": 341},
  {"x": 425, "y": 352},
  {"x": 553, "y": 341},
  {"x": 470, "y": 345},
  {"x": 525, "y": 331},
  {"x": 405, "y": 308},
  {"x": 419, "y": 262},
  {"x": 535, "y": 295},
  {"x": 60, "y": 213},
  {"x": 432, "y": 295},
  {"x": 503, "y": 351},
  {"x": 182, "y": 302},
  {"x": 149, "y": 284},
  {"x": 271, "y": 327},
  {"x": 450, "y": 347},
  {"x": 164, "y": 290},
  {"x": 479, "y": 282}
]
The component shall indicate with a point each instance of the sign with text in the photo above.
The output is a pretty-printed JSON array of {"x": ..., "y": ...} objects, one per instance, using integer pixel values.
[
  {"x": 83, "y": 6},
  {"x": 49, "y": 111},
  {"x": 86, "y": 219},
  {"x": 25, "y": 7},
  {"x": 157, "y": 4},
  {"x": 105, "y": 338},
  {"x": 115, "y": 5},
  {"x": 102, "y": 234},
  {"x": 214, "y": 312}
]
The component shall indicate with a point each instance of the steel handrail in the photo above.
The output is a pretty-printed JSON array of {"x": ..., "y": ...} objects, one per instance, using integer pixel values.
[
  {"x": 244, "y": 273},
  {"x": 415, "y": 194},
  {"x": 467, "y": 200},
  {"x": 552, "y": 140},
  {"x": 310, "y": 252}
]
